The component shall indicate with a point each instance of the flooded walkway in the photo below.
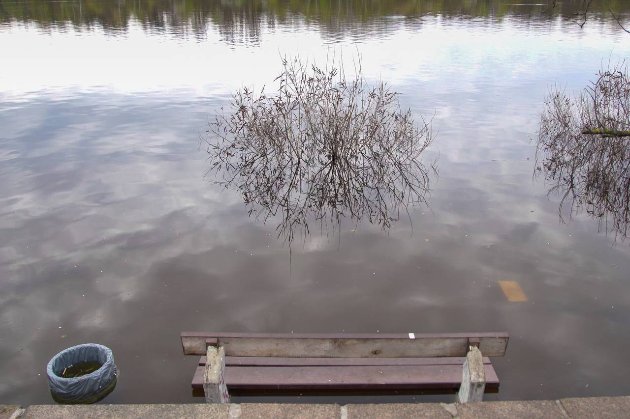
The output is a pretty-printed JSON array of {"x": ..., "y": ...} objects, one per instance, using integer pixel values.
[{"x": 595, "y": 407}]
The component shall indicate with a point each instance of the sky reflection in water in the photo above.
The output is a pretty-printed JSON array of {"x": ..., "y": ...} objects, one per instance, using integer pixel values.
[{"x": 110, "y": 233}]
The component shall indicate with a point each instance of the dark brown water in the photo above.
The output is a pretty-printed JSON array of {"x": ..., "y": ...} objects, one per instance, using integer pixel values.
[
  {"x": 82, "y": 368},
  {"x": 110, "y": 233}
]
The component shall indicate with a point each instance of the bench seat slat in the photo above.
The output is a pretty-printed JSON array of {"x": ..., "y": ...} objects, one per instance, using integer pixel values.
[
  {"x": 305, "y": 362},
  {"x": 346, "y": 345},
  {"x": 344, "y": 335},
  {"x": 345, "y": 377}
]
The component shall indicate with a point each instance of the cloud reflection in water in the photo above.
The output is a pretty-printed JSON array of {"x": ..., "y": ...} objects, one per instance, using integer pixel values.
[{"x": 101, "y": 172}]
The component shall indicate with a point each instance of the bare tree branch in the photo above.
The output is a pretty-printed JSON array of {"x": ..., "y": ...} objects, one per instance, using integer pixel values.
[
  {"x": 584, "y": 151},
  {"x": 618, "y": 20},
  {"x": 584, "y": 14},
  {"x": 325, "y": 147}
]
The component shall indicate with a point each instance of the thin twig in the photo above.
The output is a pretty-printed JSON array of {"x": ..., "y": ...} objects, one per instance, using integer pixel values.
[
  {"x": 618, "y": 20},
  {"x": 583, "y": 149},
  {"x": 324, "y": 147}
]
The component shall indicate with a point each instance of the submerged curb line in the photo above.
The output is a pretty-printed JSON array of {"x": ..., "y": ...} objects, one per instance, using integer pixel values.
[{"x": 587, "y": 407}]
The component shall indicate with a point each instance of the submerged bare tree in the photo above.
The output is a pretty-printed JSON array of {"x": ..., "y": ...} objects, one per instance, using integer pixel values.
[
  {"x": 323, "y": 147},
  {"x": 584, "y": 149}
]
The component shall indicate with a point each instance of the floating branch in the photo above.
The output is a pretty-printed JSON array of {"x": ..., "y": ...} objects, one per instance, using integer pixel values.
[{"x": 606, "y": 132}]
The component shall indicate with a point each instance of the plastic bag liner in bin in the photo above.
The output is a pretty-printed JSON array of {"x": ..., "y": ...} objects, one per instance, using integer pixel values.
[{"x": 88, "y": 388}]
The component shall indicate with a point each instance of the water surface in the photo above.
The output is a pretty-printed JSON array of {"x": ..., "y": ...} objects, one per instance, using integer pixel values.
[{"x": 110, "y": 232}]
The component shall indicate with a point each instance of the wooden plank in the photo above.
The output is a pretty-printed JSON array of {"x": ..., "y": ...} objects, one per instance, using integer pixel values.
[
  {"x": 211, "y": 335},
  {"x": 492, "y": 379},
  {"x": 193, "y": 343},
  {"x": 197, "y": 381},
  {"x": 346, "y": 345},
  {"x": 513, "y": 291},
  {"x": 345, "y": 378},
  {"x": 305, "y": 362}
]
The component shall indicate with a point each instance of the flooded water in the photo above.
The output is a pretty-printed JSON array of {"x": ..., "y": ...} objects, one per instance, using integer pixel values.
[
  {"x": 111, "y": 233},
  {"x": 82, "y": 368}
]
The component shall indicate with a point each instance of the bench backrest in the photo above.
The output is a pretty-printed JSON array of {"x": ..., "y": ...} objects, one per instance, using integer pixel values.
[{"x": 346, "y": 345}]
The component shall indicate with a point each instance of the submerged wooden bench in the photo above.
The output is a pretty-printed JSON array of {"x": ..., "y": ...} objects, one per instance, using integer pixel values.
[{"x": 356, "y": 362}]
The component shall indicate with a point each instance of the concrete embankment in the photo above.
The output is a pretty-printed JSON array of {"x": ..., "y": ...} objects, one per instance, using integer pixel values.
[{"x": 595, "y": 407}]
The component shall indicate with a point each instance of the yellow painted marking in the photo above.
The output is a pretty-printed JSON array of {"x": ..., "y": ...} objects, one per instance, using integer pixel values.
[{"x": 513, "y": 292}]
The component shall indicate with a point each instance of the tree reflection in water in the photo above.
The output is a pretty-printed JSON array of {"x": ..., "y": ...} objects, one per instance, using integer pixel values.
[
  {"x": 584, "y": 149},
  {"x": 243, "y": 21},
  {"x": 324, "y": 147}
]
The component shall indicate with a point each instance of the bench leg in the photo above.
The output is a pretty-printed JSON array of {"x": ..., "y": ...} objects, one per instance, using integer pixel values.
[
  {"x": 213, "y": 382},
  {"x": 473, "y": 378}
]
